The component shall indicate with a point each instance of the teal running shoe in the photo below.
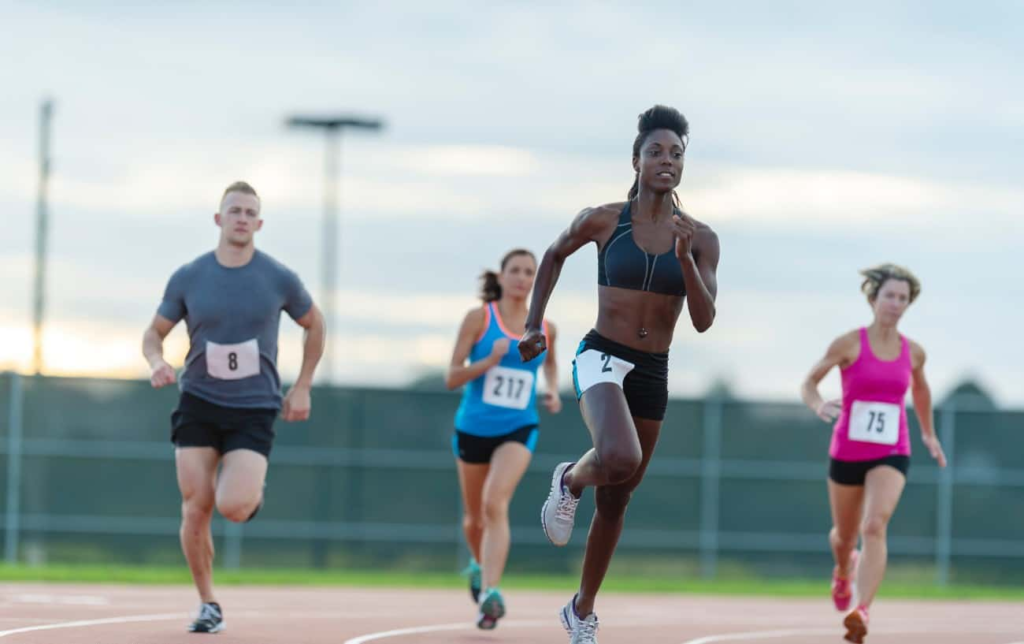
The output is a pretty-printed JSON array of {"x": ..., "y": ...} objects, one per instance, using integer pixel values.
[
  {"x": 492, "y": 608},
  {"x": 472, "y": 571}
]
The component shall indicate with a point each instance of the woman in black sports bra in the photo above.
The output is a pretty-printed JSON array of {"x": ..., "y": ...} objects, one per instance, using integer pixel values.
[{"x": 651, "y": 256}]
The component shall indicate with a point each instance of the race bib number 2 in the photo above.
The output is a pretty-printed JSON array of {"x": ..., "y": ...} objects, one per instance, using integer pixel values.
[
  {"x": 874, "y": 422},
  {"x": 233, "y": 361},
  {"x": 510, "y": 388}
]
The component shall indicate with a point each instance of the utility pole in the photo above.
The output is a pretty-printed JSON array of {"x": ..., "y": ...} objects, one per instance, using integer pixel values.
[
  {"x": 42, "y": 226},
  {"x": 332, "y": 127}
]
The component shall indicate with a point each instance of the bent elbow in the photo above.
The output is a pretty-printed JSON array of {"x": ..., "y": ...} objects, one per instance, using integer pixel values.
[{"x": 703, "y": 325}]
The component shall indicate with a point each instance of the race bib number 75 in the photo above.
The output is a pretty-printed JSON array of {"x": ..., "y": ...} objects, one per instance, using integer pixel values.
[
  {"x": 233, "y": 361},
  {"x": 510, "y": 388},
  {"x": 874, "y": 422}
]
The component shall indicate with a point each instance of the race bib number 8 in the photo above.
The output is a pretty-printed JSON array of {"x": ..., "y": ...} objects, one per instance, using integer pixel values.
[
  {"x": 874, "y": 422},
  {"x": 510, "y": 388},
  {"x": 233, "y": 361}
]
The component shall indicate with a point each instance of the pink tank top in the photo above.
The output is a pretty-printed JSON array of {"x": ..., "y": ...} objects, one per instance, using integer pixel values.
[{"x": 873, "y": 423}]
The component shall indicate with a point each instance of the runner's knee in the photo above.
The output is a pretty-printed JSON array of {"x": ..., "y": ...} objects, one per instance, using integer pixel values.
[
  {"x": 237, "y": 507},
  {"x": 843, "y": 540},
  {"x": 620, "y": 463},
  {"x": 237, "y": 511},
  {"x": 874, "y": 527},
  {"x": 472, "y": 521},
  {"x": 197, "y": 511},
  {"x": 495, "y": 510}
]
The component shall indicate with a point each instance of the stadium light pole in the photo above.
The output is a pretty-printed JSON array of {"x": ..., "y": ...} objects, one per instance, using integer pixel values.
[
  {"x": 42, "y": 226},
  {"x": 332, "y": 127}
]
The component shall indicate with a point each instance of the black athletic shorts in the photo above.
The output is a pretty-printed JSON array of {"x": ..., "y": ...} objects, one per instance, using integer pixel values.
[
  {"x": 855, "y": 472},
  {"x": 642, "y": 376},
  {"x": 200, "y": 423},
  {"x": 479, "y": 449}
]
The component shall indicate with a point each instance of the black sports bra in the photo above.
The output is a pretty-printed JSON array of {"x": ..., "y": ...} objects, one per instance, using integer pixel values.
[{"x": 623, "y": 264}]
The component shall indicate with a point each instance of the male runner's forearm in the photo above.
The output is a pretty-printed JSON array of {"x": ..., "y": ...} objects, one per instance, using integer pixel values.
[
  {"x": 312, "y": 351},
  {"x": 547, "y": 277},
  {"x": 152, "y": 347},
  {"x": 699, "y": 301}
]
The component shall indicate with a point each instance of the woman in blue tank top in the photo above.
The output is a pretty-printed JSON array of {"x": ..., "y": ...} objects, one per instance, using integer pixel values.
[{"x": 496, "y": 425}]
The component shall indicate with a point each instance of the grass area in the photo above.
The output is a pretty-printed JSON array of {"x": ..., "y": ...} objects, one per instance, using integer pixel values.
[{"x": 390, "y": 579}]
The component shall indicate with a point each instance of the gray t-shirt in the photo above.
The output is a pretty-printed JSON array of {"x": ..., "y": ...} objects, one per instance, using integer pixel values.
[{"x": 233, "y": 315}]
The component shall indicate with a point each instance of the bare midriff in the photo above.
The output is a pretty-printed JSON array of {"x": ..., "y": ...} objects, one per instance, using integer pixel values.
[{"x": 638, "y": 319}]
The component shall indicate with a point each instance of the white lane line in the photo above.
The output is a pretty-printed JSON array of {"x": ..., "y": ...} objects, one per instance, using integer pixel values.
[
  {"x": 409, "y": 631},
  {"x": 97, "y": 622},
  {"x": 438, "y": 628},
  {"x": 69, "y": 600}
]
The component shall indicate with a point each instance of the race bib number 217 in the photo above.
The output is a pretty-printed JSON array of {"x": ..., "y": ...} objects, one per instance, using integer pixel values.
[{"x": 510, "y": 388}]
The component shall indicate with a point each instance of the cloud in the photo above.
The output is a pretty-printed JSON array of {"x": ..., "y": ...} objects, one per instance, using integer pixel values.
[{"x": 470, "y": 160}]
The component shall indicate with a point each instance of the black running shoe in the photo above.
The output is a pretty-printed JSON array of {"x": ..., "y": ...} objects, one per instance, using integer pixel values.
[
  {"x": 259, "y": 506},
  {"x": 256, "y": 511},
  {"x": 209, "y": 620}
]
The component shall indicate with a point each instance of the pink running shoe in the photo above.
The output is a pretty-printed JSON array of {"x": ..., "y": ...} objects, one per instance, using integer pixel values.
[
  {"x": 856, "y": 624},
  {"x": 843, "y": 587}
]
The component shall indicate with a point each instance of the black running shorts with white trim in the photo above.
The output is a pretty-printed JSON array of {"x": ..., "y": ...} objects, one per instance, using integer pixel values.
[{"x": 642, "y": 376}]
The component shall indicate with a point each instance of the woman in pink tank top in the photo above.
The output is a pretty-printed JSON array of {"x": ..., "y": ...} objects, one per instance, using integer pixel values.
[{"x": 870, "y": 450}]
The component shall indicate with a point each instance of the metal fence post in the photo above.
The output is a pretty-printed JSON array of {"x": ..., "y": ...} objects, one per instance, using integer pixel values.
[
  {"x": 944, "y": 505},
  {"x": 14, "y": 434},
  {"x": 710, "y": 476}
]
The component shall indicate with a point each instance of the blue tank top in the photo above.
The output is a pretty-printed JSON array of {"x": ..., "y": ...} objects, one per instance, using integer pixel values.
[
  {"x": 504, "y": 398},
  {"x": 623, "y": 264}
]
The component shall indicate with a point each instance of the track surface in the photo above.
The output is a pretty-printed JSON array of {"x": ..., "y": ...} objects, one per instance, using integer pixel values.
[{"x": 79, "y": 614}]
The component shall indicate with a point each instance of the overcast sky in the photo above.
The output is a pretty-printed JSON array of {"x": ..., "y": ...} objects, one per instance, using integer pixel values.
[{"x": 824, "y": 139}]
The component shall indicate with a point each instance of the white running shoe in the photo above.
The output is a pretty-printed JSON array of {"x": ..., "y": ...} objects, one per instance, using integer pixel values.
[
  {"x": 580, "y": 630},
  {"x": 559, "y": 511},
  {"x": 209, "y": 620}
]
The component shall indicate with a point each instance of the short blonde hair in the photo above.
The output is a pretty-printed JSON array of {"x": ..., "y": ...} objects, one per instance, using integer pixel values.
[
  {"x": 239, "y": 186},
  {"x": 876, "y": 276}
]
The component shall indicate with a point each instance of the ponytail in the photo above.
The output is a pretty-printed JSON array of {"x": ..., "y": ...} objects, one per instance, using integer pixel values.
[{"x": 490, "y": 290}]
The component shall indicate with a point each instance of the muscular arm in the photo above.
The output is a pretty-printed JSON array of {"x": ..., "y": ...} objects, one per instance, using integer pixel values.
[
  {"x": 701, "y": 278},
  {"x": 314, "y": 337},
  {"x": 297, "y": 403},
  {"x": 161, "y": 373},
  {"x": 590, "y": 225}
]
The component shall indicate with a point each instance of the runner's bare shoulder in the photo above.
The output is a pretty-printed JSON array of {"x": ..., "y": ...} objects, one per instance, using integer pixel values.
[{"x": 596, "y": 223}]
